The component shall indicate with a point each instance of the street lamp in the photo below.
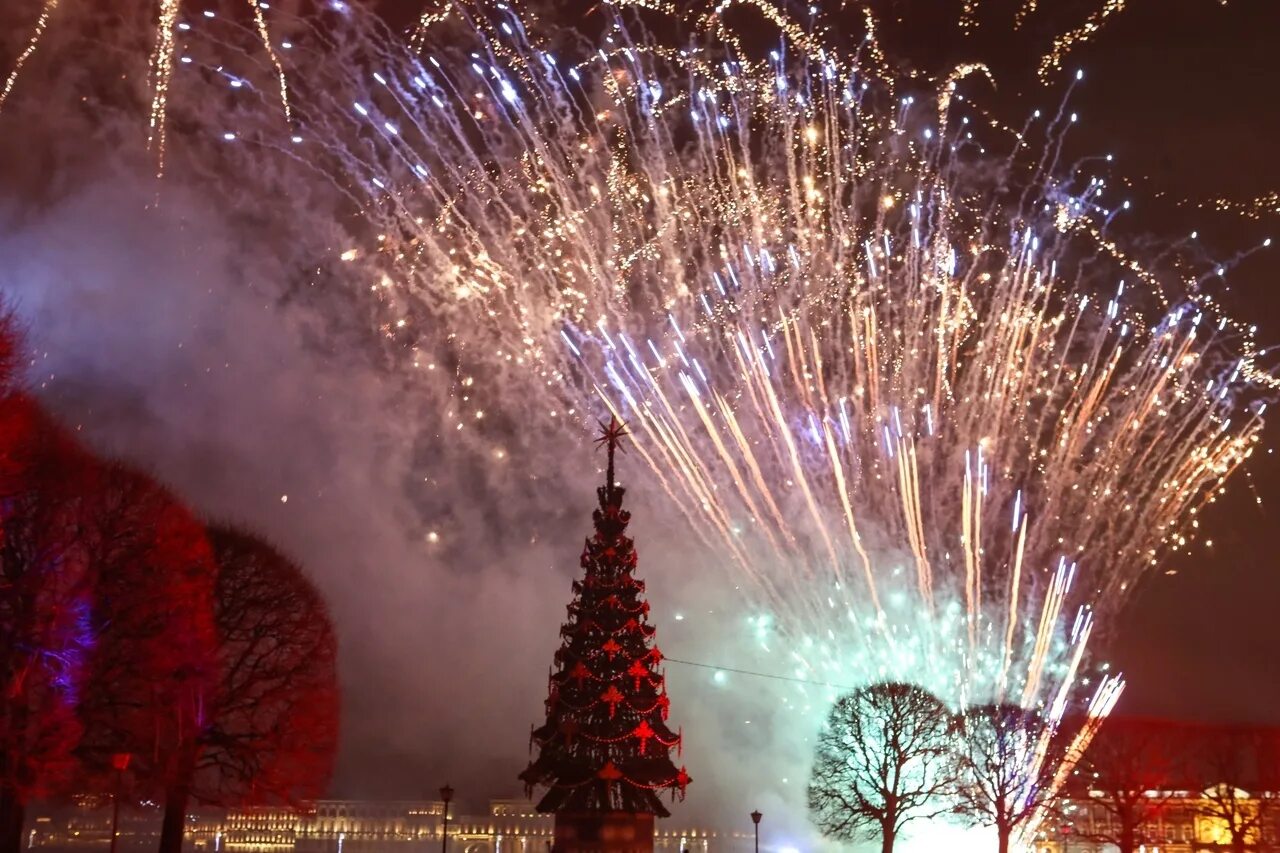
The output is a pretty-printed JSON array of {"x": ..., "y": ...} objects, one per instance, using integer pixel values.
[
  {"x": 755, "y": 818},
  {"x": 446, "y": 794},
  {"x": 120, "y": 761}
]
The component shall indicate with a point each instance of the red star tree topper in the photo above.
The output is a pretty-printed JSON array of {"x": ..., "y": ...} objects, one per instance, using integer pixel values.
[{"x": 606, "y": 745}]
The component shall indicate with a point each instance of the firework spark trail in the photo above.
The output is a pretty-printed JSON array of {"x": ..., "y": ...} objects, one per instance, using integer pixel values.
[
  {"x": 32, "y": 45},
  {"x": 934, "y": 416},
  {"x": 161, "y": 74},
  {"x": 829, "y": 313},
  {"x": 161, "y": 69},
  {"x": 1264, "y": 205},
  {"x": 162, "y": 55},
  {"x": 899, "y": 403},
  {"x": 1065, "y": 43},
  {"x": 260, "y": 24}
]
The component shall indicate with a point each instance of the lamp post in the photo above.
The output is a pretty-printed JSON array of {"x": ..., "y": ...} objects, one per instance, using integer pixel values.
[
  {"x": 446, "y": 794},
  {"x": 755, "y": 818},
  {"x": 120, "y": 761}
]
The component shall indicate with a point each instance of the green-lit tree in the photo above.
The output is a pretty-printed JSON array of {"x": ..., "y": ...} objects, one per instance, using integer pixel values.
[{"x": 605, "y": 746}]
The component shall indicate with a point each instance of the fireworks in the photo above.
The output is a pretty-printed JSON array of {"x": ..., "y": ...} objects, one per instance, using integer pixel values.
[
  {"x": 161, "y": 74},
  {"x": 886, "y": 356},
  {"x": 33, "y": 43},
  {"x": 1257, "y": 208}
]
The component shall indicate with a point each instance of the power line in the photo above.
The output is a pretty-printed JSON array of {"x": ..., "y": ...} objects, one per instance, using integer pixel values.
[{"x": 759, "y": 674}]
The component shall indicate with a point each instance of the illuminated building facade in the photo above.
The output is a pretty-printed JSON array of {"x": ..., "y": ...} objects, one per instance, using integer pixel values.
[
  {"x": 336, "y": 826},
  {"x": 512, "y": 826},
  {"x": 1185, "y": 822}
]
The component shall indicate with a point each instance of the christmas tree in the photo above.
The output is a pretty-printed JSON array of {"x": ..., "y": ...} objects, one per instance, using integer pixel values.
[{"x": 606, "y": 746}]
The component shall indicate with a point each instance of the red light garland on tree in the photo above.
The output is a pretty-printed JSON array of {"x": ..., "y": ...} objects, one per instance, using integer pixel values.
[{"x": 605, "y": 745}]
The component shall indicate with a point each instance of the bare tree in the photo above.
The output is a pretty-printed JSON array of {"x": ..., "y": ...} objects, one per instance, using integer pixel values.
[
  {"x": 43, "y": 603},
  {"x": 1242, "y": 762},
  {"x": 1127, "y": 776},
  {"x": 150, "y": 684},
  {"x": 214, "y": 660},
  {"x": 270, "y": 726},
  {"x": 275, "y": 730},
  {"x": 1006, "y": 758},
  {"x": 882, "y": 760}
]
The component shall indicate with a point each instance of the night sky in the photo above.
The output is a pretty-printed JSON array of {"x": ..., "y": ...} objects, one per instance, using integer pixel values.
[
  {"x": 1184, "y": 94},
  {"x": 207, "y": 385}
]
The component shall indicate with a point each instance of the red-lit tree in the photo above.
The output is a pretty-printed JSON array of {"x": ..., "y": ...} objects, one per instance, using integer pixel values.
[
  {"x": 1125, "y": 778},
  {"x": 10, "y": 349},
  {"x": 149, "y": 690},
  {"x": 605, "y": 746},
  {"x": 273, "y": 734},
  {"x": 123, "y": 639},
  {"x": 44, "y": 603},
  {"x": 1243, "y": 766},
  {"x": 214, "y": 663}
]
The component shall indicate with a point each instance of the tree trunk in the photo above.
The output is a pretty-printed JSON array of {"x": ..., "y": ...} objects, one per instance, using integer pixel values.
[
  {"x": 1127, "y": 842},
  {"x": 12, "y": 813},
  {"x": 886, "y": 842},
  {"x": 1003, "y": 834},
  {"x": 177, "y": 797},
  {"x": 174, "y": 825}
]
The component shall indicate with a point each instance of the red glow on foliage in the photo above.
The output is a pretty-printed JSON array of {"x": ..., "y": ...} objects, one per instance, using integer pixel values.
[
  {"x": 127, "y": 643},
  {"x": 276, "y": 721},
  {"x": 43, "y": 600}
]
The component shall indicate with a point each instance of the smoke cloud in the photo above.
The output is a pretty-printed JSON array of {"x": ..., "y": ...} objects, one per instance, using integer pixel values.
[{"x": 207, "y": 336}]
